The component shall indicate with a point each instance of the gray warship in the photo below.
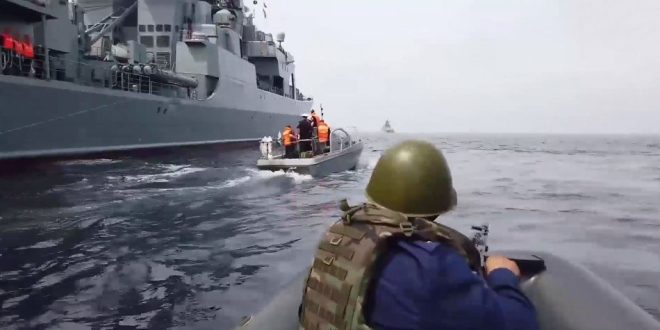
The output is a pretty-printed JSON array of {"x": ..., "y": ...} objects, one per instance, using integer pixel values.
[
  {"x": 387, "y": 128},
  {"x": 91, "y": 76}
]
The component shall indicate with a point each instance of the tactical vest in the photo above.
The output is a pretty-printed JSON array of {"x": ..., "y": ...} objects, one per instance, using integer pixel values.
[{"x": 337, "y": 284}]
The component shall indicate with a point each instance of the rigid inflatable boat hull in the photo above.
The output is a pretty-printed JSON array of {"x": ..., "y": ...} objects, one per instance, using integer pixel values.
[{"x": 566, "y": 296}]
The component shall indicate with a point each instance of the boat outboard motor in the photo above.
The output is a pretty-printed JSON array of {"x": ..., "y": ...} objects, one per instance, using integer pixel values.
[{"x": 266, "y": 147}]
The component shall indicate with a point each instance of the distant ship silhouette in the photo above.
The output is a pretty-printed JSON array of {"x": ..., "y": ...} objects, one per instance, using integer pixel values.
[{"x": 387, "y": 128}]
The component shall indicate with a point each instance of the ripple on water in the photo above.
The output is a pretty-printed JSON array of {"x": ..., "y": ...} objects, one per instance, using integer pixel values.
[
  {"x": 198, "y": 239},
  {"x": 172, "y": 172},
  {"x": 42, "y": 245},
  {"x": 564, "y": 196}
]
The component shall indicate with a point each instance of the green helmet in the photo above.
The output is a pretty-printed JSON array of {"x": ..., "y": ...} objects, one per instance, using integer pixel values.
[{"x": 412, "y": 178}]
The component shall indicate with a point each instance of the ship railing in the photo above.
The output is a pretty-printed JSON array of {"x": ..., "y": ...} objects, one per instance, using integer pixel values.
[
  {"x": 144, "y": 84},
  {"x": 270, "y": 89},
  {"x": 12, "y": 65},
  {"x": 277, "y": 90},
  {"x": 94, "y": 76}
]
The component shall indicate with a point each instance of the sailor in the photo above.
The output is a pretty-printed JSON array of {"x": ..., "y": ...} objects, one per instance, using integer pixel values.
[
  {"x": 316, "y": 119},
  {"x": 289, "y": 142},
  {"x": 8, "y": 51},
  {"x": 305, "y": 133},
  {"x": 28, "y": 55},
  {"x": 324, "y": 136},
  {"x": 386, "y": 265}
]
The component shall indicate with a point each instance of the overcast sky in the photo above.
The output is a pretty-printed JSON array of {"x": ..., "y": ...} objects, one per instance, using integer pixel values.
[{"x": 539, "y": 66}]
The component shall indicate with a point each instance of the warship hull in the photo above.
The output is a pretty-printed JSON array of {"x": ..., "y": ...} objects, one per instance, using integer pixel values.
[{"x": 41, "y": 118}]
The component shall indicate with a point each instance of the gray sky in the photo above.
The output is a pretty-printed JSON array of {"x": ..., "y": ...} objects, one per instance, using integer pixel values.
[{"x": 553, "y": 66}]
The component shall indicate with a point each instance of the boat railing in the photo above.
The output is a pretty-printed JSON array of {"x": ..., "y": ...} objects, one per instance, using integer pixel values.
[
  {"x": 90, "y": 75},
  {"x": 339, "y": 140},
  {"x": 312, "y": 147}
]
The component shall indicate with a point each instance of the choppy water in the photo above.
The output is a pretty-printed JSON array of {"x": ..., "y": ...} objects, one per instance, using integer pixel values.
[{"x": 198, "y": 239}]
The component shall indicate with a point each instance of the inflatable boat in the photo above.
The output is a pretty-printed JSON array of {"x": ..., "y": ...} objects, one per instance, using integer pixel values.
[
  {"x": 342, "y": 153},
  {"x": 567, "y": 296}
]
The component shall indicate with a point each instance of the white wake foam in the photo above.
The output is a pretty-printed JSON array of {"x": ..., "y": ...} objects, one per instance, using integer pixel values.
[
  {"x": 255, "y": 176},
  {"x": 173, "y": 171},
  {"x": 235, "y": 182},
  {"x": 42, "y": 245},
  {"x": 296, "y": 177}
]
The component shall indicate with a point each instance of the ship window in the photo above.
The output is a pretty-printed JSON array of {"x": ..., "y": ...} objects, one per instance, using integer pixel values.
[
  {"x": 176, "y": 28},
  {"x": 143, "y": 28},
  {"x": 163, "y": 59},
  {"x": 163, "y": 41},
  {"x": 150, "y": 28},
  {"x": 168, "y": 28},
  {"x": 159, "y": 28},
  {"x": 147, "y": 41}
]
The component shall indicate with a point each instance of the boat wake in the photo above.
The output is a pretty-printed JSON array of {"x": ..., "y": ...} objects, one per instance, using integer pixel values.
[
  {"x": 295, "y": 177},
  {"x": 171, "y": 172},
  {"x": 254, "y": 176},
  {"x": 367, "y": 163}
]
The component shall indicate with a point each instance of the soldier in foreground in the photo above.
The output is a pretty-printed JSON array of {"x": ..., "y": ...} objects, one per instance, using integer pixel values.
[{"x": 387, "y": 265}]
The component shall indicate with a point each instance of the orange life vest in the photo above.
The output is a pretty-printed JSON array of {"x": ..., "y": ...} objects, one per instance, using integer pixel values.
[
  {"x": 7, "y": 41},
  {"x": 28, "y": 49},
  {"x": 18, "y": 47},
  {"x": 287, "y": 136},
  {"x": 317, "y": 119},
  {"x": 324, "y": 132}
]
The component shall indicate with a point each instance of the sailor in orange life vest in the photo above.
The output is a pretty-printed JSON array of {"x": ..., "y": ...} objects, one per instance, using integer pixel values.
[
  {"x": 17, "y": 53},
  {"x": 8, "y": 51},
  {"x": 289, "y": 142},
  {"x": 316, "y": 119},
  {"x": 386, "y": 264},
  {"x": 324, "y": 136}
]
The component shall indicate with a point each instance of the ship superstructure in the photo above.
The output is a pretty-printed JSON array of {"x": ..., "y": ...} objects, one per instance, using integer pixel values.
[
  {"x": 93, "y": 76},
  {"x": 387, "y": 128}
]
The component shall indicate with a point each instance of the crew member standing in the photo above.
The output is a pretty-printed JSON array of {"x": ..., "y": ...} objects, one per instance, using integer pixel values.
[
  {"x": 324, "y": 136},
  {"x": 289, "y": 141},
  {"x": 316, "y": 119},
  {"x": 305, "y": 132},
  {"x": 8, "y": 51}
]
